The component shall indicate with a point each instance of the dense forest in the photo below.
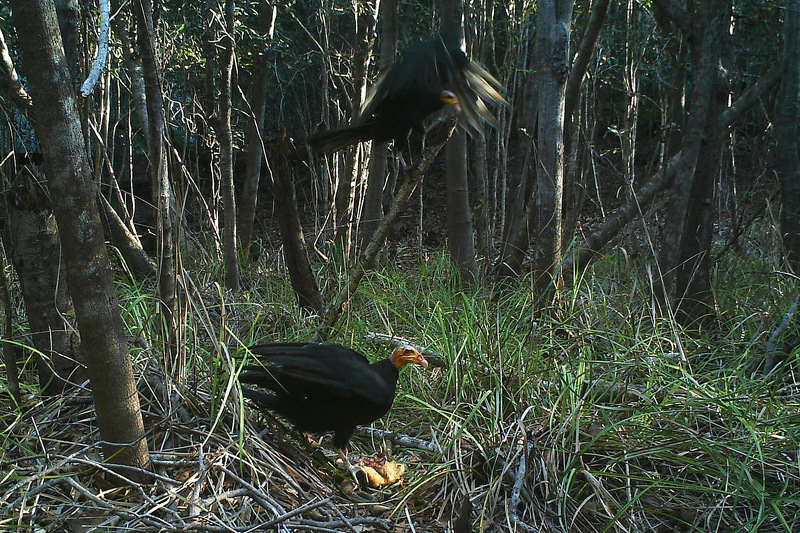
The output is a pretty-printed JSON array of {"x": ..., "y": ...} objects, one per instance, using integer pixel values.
[{"x": 575, "y": 223}]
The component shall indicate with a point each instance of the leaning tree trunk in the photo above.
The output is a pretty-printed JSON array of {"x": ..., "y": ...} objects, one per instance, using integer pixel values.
[
  {"x": 301, "y": 275},
  {"x": 88, "y": 267},
  {"x": 788, "y": 159},
  {"x": 574, "y": 191},
  {"x": 460, "y": 240}
]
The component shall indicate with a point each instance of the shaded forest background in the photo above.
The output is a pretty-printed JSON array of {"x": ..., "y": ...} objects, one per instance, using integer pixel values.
[{"x": 610, "y": 275}]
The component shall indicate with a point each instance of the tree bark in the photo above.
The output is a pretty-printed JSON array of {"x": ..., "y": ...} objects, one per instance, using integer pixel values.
[
  {"x": 553, "y": 31},
  {"x": 248, "y": 199},
  {"x": 10, "y": 85},
  {"x": 788, "y": 158},
  {"x": 520, "y": 220},
  {"x": 690, "y": 211},
  {"x": 660, "y": 180},
  {"x": 74, "y": 206},
  {"x": 135, "y": 73},
  {"x": 694, "y": 299}
]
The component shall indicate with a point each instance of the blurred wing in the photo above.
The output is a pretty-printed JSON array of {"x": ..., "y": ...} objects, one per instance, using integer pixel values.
[{"x": 472, "y": 84}]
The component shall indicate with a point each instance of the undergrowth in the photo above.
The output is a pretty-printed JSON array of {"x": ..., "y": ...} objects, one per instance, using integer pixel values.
[{"x": 603, "y": 415}]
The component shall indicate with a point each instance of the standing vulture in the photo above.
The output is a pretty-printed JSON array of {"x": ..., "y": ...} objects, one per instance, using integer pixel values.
[{"x": 325, "y": 387}]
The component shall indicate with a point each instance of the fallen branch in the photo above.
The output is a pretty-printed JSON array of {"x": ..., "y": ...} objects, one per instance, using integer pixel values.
[
  {"x": 438, "y": 137},
  {"x": 398, "y": 438}
]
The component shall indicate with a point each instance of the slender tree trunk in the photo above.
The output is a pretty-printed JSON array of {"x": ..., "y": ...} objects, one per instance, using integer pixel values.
[
  {"x": 376, "y": 181},
  {"x": 574, "y": 149},
  {"x": 248, "y": 200},
  {"x": 225, "y": 139},
  {"x": 461, "y": 240},
  {"x": 483, "y": 209},
  {"x": 519, "y": 221},
  {"x": 159, "y": 178},
  {"x": 365, "y": 16},
  {"x": 68, "y": 14},
  {"x": 135, "y": 73},
  {"x": 75, "y": 208},
  {"x": 660, "y": 180},
  {"x": 435, "y": 141},
  {"x": 788, "y": 158},
  {"x": 10, "y": 84},
  {"x": 553, "y": 33}
]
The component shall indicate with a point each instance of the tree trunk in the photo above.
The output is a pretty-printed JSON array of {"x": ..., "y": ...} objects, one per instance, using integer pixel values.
[
  {"x": 660, "y": 180},
  {"x": 553, "y": 30},
  {"x": 788, "y": 158},
  {"x": 376, "y": 181},
  {"x": 75, "y": 208},
  {"x": 304, "y": 282},
  {"x": 574, "y": 149},
  {"x": 694, "y": 299},
  {"x": 135, "y": 73},
  {"x": 159, "y": 178},
  {"x": 680, "y": 232},
  {"x": 68, "y": 15},
  {"x": 435, "y": 141},
  {"x": 345, "y": 191},
  {"x": 248, "y": 199},
  {"x": 519, "y": 221},
  {"x": 36, "y": 255},
  {"x": 10, "y": 85},
  {"x": 225, "y": 139},
  {"x": 461, "y": 240},
  {"x": 128, "y": 244}
]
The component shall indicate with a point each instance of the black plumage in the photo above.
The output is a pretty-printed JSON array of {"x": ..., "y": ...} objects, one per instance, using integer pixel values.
[
  {"x": 431, "y": 76},
  {"x": 325, "y": 387}
]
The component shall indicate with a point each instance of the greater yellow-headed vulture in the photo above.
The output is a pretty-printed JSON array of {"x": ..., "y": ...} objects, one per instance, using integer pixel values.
[
  {"x": 325, "y": 387},
  {"x": 429, "y": 77}
]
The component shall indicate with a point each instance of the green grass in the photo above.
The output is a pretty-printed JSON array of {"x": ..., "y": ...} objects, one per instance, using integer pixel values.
[{"x": 622, "y": 420}]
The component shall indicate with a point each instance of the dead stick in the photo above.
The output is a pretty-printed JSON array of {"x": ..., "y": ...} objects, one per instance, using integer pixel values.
[{"x": 411, "y": 177}]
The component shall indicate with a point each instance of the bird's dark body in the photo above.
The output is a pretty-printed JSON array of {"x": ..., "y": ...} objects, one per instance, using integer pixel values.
[
  {"x": 411, "y": 91},
  {"x": 321, "y": 387}
]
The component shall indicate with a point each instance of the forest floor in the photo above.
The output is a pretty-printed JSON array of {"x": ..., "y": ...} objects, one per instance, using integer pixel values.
[{"x": 605, "y": 416}]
